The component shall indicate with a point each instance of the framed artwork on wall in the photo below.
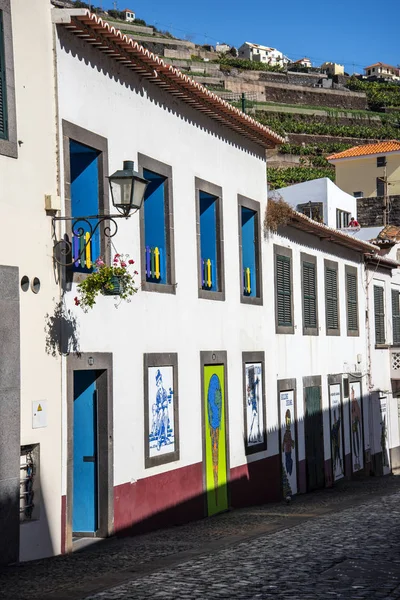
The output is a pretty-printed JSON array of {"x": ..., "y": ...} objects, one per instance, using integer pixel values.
[
  {"x": 254, "y": 405},
  {"x": 161, "y": 424}
]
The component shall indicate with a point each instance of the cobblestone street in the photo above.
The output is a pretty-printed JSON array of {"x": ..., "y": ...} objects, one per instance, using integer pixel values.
[{"x": 338, "y": 543}]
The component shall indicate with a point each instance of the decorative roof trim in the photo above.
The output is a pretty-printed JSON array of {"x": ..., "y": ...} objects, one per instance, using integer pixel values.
[{"x": 126, "y": 51}]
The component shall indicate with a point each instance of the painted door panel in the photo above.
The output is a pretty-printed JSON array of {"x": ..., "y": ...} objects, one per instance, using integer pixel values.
[
  {"x": 314, "y": 438},
  {"x": 85, "y": 494},
  {"x": 215, "y": 439}
]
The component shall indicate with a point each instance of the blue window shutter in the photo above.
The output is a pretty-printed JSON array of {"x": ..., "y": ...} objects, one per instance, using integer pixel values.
[{"x": 3, "y": 91}]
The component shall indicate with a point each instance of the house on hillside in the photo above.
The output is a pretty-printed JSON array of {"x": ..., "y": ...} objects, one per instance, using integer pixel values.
[
  {"x": 222, "y": 48},
  {"x": 263, "y": 54},
  {"x": 129, "y": 15},
  {"x": 382, "y": 71},
  {"x": 370, "y": 170},
  {"x": 332, "y": 69},
  {"x": 322, "y": 201},
  {"x": 302, "y": 62}
]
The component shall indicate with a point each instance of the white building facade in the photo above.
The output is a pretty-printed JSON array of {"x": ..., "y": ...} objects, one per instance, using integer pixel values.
[
  {"x": 263, "y": 54},
  {"x": 239, "y": 373},
  {"x": 30, "y": 377}
]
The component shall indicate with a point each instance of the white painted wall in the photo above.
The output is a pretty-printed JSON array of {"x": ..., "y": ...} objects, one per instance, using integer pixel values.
[
  {"x": 27, "y": 243},
  {"x": 320, "y": 190},
  {"x": 137, "y": 118}
]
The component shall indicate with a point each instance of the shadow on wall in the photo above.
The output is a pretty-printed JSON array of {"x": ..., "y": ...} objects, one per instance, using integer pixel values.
[{"x": 61, "y": 330}]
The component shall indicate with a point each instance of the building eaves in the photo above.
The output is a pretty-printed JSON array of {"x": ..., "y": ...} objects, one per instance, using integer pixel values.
[
  {"x": 123, "y": 49},
  {"x": 300, "y": 221},
  {"x": 384, "y": 147}
]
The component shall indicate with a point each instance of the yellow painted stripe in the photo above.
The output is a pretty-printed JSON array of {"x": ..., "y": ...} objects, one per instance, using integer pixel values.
[
  {"x": 209, "y": 282},
  {"x": 88, "y": 251},
  {"x": 248, "y": 286},
  {"x": 157, "y": 262}
]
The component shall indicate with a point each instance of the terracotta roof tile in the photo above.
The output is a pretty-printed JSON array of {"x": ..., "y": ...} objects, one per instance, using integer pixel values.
[
  {"x": 378, "y": 148},
  {"x": 126, "y": 51}
]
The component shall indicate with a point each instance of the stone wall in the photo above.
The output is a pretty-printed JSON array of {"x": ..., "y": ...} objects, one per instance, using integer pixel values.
[
  {"x": 290, "y": 94},
  {"x": 370, "y": 211},
  {"x": 308, "y": 138}
]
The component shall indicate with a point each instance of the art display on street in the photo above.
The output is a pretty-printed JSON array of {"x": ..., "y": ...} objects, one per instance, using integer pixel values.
[
  {"x": 336, "y": 431},
  {"x": 384, "y": 435},
  {"x": 254, "y": 406},
  {"x": 356, "y": 426},
  {"x": 215, "y": 439},
  {"x": 161, "y": 437},
  {"x": 288, "y": 443}
]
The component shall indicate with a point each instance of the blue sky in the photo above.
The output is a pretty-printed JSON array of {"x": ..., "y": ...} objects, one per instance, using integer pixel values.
[{"x": 352, "y": 32}]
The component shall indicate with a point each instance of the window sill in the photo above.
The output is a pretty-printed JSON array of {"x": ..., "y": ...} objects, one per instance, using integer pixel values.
[
  {"x": 382, "y": 346},
  {"x": 255, "y": 300},
  {"x": 285, "y": 329},
  {"x": 205, "y": 295},
  {"x": 161, "y": 288}
]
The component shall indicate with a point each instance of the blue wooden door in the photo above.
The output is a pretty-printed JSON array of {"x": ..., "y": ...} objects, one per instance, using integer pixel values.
[{"x": 85, "y": 494}]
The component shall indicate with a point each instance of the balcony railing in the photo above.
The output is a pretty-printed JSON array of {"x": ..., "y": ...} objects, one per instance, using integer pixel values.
[
  {"x": 154, "y": 263},
  {"x": 207, "y": 270}
]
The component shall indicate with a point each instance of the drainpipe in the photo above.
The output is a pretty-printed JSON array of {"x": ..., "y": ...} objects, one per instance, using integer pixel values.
[{"x": 368, "y": 331}]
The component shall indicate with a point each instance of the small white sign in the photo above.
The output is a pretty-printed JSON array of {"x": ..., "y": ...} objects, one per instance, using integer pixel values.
[{"x": 39, "y": 413}]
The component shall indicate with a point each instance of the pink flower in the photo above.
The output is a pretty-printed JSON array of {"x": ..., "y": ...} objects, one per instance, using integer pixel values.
[
  {"x": 135, "y": 273},
  {"x": 76, "y": 300},
  {"x": 123, "y": 264},
  {"x": 130, "y": 261},
  {"x": 116, "y": 256},
  {"x": 99, "y": 262}
]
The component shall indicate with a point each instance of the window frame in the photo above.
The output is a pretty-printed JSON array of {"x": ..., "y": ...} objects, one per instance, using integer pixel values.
[
  {"x": 358, "y": 194},
  {"x": 287, "y": 252},
  {"x": 380, "y": 182},
  {"x": 382, "y": 160},
  {"x": 214, "y": 190},
  {"x": 70, "y": 131},
  {"x": 151, "y": 164},
  {"x": 333, "y": 266},
  {"x": 312, "y": 260},
  {"x": 341, "y": 216},
  {"x": 253, "y": 205},
  {"x": 9, "y": 145},
  {"x": 349, "y": 270},
  {"x": 380, "y": 342}
]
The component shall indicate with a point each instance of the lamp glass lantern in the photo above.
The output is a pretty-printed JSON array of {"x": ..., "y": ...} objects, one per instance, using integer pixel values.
[{"x": 127, "y": 188}]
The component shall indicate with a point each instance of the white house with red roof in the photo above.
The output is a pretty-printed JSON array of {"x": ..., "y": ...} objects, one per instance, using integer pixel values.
[
  {"x": 382, "y": 70},
  {"x": 129, "y": 15}
]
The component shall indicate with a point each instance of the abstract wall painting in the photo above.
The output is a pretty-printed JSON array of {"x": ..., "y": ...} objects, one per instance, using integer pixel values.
[
  {"x": 336, "y": 431},
  {"x": 254, "y": 407},
  {"x": 356, "y": 426},
  {"x": 215, "y": 438},
  {"x": 288, "y": 443}
]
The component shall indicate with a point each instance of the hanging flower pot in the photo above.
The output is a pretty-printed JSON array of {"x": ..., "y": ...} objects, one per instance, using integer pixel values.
[
  {"x": 113, "y": 287},
  {"x": 107, "y": 280}
]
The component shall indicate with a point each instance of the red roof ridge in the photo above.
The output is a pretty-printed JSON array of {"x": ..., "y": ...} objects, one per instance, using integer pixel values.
[
  {"x": 197, "y": 95},
  {"x": 384, "y": 146}
]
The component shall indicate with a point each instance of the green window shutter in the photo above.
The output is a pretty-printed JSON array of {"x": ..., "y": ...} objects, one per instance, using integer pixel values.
[
  {"x": 283, "y": 291},
  {"x": 396, "y": 316},
  {"x": 331, "y": 299},
  {"x": 309, "y": 295},
  {"x": 352, "y": 302},
  {"x": 3, "y": 99},
  {"x": 379, "y": 310}
]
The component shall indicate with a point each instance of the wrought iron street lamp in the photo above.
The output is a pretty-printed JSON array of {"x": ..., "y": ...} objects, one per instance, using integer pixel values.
[
  {"x": 127, "y": 189},
  {"x": 127, "y": 193}
]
